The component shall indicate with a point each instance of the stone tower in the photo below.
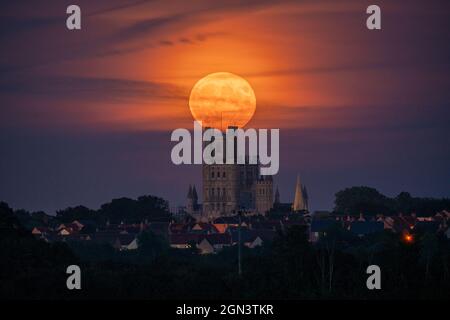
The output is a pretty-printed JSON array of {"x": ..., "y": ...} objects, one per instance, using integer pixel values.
[
  {"x": 264, "y": 194},
  {"x": 228, "y": 188},
  {"x": 220, "y": 189}
]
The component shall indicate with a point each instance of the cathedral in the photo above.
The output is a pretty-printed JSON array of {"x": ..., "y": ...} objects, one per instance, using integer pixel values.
[{"x": 229, "y": 188}]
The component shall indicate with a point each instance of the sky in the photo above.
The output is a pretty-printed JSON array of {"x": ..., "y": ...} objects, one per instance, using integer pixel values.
[{"x": 86, "y": 115}]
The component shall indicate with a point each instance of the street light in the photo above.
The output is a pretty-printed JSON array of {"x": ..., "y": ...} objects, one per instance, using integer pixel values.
[{"x": 408, "y": 238}]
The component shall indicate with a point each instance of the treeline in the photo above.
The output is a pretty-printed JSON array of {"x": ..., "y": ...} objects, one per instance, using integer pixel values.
[
  {"x": 369, "y": 201},
  {"x": 288, "y": 268},
  {"x": 116, "y": 211}
]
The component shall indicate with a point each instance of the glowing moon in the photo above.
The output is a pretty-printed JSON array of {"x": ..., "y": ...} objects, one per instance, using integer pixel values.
[{"x": 222, "y": 99}]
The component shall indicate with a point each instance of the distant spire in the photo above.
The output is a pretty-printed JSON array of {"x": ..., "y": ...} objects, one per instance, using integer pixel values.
[
  {"x": 194, "y": 193},
  {"x": 189, "y": 195},
  {"x": 305, "y": 197},
  {"x": 277, "y": 196},
  {"x": 299, "y": 199}
]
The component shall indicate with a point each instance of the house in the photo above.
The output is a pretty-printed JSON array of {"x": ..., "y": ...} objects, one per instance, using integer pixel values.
[
  {"x": 159, "y": 228},
  {"x": 219, "y": 240},
  {"x": 39, "y": 231},
  {"x": 320, "y": 227},
  {"x": 78, "y": 237},
  {"x": 213, "y": 243},
  {"x": 110, "y": 237},
  {"x": 43, "y": 233},
  {"x": 175, "y": 228},
  {"x": 266, "y": 225},
  {"x": 221, "y": 227},
  {"x": 445, "y": 213},
  {"x": 427, "y": 226},
  {"x": 128, "y": 241},
  {"x": 64, "y": 231},
  {"x": 230, "y": 220},
  {"x": 205, "y": 247},
  {"x": 183, "y": 240},
  {"x": 78, "y": 224},
  {"x": 117, "y": 240},
  {"x": 252, "y": 238},
  {"x": 61, "y": 226},
  {"x": 362, "y": 228},
  {"x": 403, "y": 223},
  {"x": 203, "y": 228},
  {"x": 388, "y": 222},
  {"x": 257, "y": 242}
]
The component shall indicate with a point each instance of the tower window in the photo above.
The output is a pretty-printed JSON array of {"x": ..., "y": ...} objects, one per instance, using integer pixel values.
[
  {"x": 212, "y": 174},
  {"x": 223, "y": 174}
]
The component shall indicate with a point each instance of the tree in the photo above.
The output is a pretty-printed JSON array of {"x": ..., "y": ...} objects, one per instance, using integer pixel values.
[
  {"x": 76, "y": 213},
  {"x": 134, "y": 211},
  {"x": 428, "y": 249},
  {"x": 151, "y": 246},
  {"x": 362, "y": 199},
  {"x": 326, "y": 249}
]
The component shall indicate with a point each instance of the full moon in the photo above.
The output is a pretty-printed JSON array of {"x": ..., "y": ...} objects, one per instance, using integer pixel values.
[{"x": 222, "y": 99}]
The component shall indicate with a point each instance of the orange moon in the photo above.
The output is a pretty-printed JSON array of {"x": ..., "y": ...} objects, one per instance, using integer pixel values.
[{"x": 222, "y": 99}]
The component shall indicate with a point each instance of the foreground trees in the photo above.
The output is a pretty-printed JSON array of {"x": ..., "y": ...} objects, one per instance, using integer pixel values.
[
  {"x": 369, "y": 201},
  {"x": 288, "y": 268}
]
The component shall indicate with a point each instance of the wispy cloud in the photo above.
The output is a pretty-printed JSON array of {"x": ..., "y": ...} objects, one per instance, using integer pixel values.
[
  {"x": 121, "y": 7},
  {"x": 88, "y": 89}
]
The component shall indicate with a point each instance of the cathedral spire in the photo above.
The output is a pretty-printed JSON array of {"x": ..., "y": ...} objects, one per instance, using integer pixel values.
[
  {"x": 189, "y": 195},
  {"x": 194, "y": 194},
  {"x": 299, "y": 198},
  {"x": 305, "y": 197},
  {"x": 277, "y": 196}
]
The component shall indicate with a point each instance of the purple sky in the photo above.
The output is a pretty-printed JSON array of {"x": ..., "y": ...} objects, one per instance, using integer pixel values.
[{"x": 86, "y": 116}]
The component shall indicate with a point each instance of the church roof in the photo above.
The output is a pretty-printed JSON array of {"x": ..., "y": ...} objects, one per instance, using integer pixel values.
[{"x": 366, "y": 227}]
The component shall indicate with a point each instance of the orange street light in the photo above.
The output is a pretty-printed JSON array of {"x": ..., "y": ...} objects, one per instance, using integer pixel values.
[{"x": 408, "y": 238}]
